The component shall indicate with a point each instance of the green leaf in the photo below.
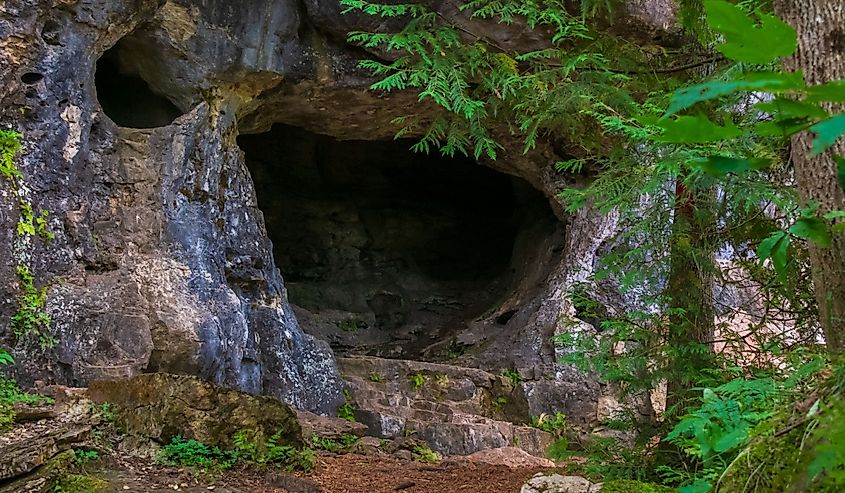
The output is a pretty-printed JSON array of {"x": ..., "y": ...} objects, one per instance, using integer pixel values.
[
  {"x": 766, "y": 247},
  {"x": 840, "y": 174},
  {"x": 785, "y": 127},
  {"x": 827, "y": 132},
  {"x": 780, "y": 258},
  {"x": 833, "y": 92},
  {"x": 813, "y": 229},
  {"x": 745, "y": 40},
  {"x": 731, "y": 440},
  {"x": 699, "y": 486},
  {"x": 695, "y": 130},
  {"x": 773, "y": 82},
  {"x": 782, "y": 108},
  {"x": 719, "y": 166}
]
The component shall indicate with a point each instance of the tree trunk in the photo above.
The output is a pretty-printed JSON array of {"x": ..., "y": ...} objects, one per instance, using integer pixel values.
[
  {"x": 821, "y": 56},
  {"x": 690, "y": 288}
]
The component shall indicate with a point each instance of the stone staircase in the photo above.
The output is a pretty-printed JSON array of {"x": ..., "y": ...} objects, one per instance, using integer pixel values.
[{"x": 457, "y": 411}]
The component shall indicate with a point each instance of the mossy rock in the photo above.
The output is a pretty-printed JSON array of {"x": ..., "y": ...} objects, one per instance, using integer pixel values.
[
  {"x": 42, "y": 479},
  {"x": 630, "y": 486},
  {"x": 78, "y": 483},
  {"x": 160, "y": 406}
]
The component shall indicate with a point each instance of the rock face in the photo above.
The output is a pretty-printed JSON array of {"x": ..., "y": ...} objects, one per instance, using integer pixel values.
[
  {"x": 160, "y": 407},
  {"x": 161, "y": 259}
]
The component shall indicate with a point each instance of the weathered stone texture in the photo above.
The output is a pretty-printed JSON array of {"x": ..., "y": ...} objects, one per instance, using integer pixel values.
[
  {"x": 160, "y": 406},
  {"x": 161, "y": 260}
]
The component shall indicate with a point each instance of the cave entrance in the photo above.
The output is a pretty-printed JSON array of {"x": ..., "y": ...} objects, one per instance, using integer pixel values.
[
  {"x": 126, "y": 98},
  {"x": 386, "y": 251}
]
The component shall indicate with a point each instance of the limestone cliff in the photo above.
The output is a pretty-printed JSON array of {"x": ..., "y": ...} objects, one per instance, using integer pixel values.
[{"x": 136, "y": 117}]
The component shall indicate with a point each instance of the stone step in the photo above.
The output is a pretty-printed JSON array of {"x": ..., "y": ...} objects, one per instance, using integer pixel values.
[
  {"x": 457, "y": 411},
  {"x": 464, "y": 390}
]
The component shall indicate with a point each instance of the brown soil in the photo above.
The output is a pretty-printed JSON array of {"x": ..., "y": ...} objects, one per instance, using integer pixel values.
[
  {"x": 332, "y": 474},
  {"x": 358, "y": 474}
]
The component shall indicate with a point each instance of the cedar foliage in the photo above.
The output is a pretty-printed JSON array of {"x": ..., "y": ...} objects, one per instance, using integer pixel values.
[{"x": 659, "y": 145}]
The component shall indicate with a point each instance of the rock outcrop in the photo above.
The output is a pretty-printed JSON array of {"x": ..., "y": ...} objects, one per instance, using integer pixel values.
[
  {"x": 160, "y": 259},
  {"x": 37, "y": 451},
  {"x": 556, "y": 483},
  {"x": 160, "y": 406},
  {"x": 457, "y": 411}
]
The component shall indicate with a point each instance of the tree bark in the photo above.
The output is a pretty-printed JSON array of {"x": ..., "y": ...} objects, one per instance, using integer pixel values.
[
  {"x": 690, "y": 289},
  {"x": 821, "y": 56}
]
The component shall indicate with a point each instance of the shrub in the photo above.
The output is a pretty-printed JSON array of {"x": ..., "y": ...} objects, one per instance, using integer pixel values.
[
  {"x": 11, "y": 394},
  {"x": 559, "y": 449},
  {"x": 513, "y": 376},
  {"x": 550, "y": 423},
  {"x": 417, "y": 380},
  {"x": 422, "y": 453},
  {"x": 193, "y": 453},
  {"x": 346, "y": 441},
  {"x": 5, "y": 357},
  {"x": 82, "y": 457},
  {"x": 252, "y": 448},
  {"x": 346, "y": 410}
]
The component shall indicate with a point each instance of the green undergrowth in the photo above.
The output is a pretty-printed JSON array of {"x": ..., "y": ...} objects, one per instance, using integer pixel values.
[
  {"x": 249, "y": 449},
  {"x": 801, "y": 448},
  {"x": 31, "y": 321},
  {"x": 346, "y": 410},
  {"x": 80, "y": 483},
  {"x": 335, "y": 445},
  {"x": 11, "y": 394},
  {"x": 631, "y": 486},
  {"x": 10, "y": 144},
  {"x": 422, "y": 453},
  {"x": 550, "y": 423}
]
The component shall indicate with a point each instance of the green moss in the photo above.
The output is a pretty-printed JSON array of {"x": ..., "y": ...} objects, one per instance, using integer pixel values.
[
  {"x": 629, "y": 486},
  {"x": 78, "y": 483}
]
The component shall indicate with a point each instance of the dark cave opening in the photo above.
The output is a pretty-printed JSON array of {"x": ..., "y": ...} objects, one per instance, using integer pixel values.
[
  {"x": 124, "y": 95},
  {"x": 386, "y": 251}
]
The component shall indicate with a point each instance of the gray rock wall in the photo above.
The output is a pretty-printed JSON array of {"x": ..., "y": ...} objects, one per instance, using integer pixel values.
[{"x": 161, "y": 259}]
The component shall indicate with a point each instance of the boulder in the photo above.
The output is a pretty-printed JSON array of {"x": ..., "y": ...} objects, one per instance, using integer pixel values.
[
  {"x": 328, "y": 427},
  {"x": 512, "y": 457},
  {"x": 160, "y": 406},
  {"x": 532, "y": 440},
  {"x": 556, "y": 483}
]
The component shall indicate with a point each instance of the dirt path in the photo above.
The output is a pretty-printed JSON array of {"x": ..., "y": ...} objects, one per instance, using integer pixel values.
[
  {"x": 332, "y": 474},
  {"x": 357, "y": 474}
]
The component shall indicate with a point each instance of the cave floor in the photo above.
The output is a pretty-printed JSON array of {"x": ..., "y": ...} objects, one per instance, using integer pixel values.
[{"x": 348, "y": 473}]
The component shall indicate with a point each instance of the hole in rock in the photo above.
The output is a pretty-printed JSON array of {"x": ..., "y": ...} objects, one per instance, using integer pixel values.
[
  {"x": 389, "y": 252},
  {"x": 124, "y": 95},
  {"x": 504, "y": 318},
  {"x": 30, "y": 78}
]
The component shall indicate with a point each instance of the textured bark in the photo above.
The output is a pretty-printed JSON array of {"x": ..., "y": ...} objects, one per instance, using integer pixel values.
[
  {"x": 690, "y": 288},
  {"x": 821, "y": 56}
]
